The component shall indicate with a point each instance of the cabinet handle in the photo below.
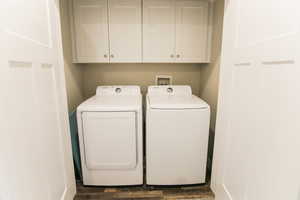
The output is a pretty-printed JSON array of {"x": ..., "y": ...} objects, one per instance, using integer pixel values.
[
  {"x": 178, "y": 56},
  {"x": 112, "y": 56},
  {"x": 105, "y": 56},
  {"x": 172, "y": 56}
]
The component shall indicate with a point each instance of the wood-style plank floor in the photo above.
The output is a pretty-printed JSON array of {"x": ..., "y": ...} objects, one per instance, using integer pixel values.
[{"x": 201, "y": 192}]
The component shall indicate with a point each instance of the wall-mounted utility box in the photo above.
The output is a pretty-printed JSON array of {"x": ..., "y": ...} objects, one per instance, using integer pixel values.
[{"x": 163, "y": 80}]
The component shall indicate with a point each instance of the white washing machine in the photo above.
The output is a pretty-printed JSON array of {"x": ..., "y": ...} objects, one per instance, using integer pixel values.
[
  {"x": 111, "y": 137},
  {"x": 177, "y": 131}
]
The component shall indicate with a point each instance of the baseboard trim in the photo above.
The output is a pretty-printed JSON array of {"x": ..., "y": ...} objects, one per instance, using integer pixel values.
[
  {"x": 227, "y": 193},
  {"x": 69, "y": 193}
]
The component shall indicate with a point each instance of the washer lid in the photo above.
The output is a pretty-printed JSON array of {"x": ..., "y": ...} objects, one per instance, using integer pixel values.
[
  {"x": 112, "y": 103},
  {"x": 176, "y": 102}
]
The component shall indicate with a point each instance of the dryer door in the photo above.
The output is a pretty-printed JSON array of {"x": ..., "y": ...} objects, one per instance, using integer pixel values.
[{"x": 110, "y": 140}]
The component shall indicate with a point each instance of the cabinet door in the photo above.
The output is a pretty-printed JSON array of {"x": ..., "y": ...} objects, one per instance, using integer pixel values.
[
  {"x": 191, "y": 31},
  {"x": 125, "y": 30},
  {"x": 159, "y": 31},
  {"x": 91, "y": 31}
]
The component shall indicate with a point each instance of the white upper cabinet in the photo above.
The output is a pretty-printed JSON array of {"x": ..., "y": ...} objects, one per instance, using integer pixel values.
[
  {"x": 90, "y": 31},
  {"x": 116, "y": 31},
  {"x": 176, "y": 31},
  {"x": 125, "y": 30},
  {"x": 159, "y": 31},
  {"x": 192, "y": 28}
]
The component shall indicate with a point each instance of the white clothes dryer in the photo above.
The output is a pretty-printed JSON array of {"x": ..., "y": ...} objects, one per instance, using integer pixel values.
[{"x": 110, "y": 136}]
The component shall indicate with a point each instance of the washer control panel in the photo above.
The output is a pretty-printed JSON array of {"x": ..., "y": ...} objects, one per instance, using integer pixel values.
[{"x": 181, "y": 90}]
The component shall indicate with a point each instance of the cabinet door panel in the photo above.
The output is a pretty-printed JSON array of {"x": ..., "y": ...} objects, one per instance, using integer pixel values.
[
  {"x": 191, "y": 30},
  {"x": 125, "y": 30},
  {"x": 159, "y": 31},
  {"x": 91, "y": 30}
]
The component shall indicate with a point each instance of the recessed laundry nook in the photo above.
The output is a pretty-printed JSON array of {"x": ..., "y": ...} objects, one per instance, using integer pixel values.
[
  {"x": 149, "y": 100},
  {"x": 117, "y": 54}
]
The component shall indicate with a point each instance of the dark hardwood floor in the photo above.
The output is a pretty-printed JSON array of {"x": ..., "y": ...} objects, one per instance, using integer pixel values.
[{"x": 201, "y": 192}]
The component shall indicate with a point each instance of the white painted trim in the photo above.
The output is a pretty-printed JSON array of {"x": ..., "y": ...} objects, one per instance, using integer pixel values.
[
  {"x": 227, "y": 192},
  {"x": 72, "y": 28},
  {"x": 223, "y": 112},
  {"x": 69, "y": 194},
  {"x": 69, "y": 173},
  {"x": 210, "y": 30}
]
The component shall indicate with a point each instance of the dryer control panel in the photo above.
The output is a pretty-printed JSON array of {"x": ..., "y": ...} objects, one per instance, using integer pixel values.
[{"x": 118, "y": 90}]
